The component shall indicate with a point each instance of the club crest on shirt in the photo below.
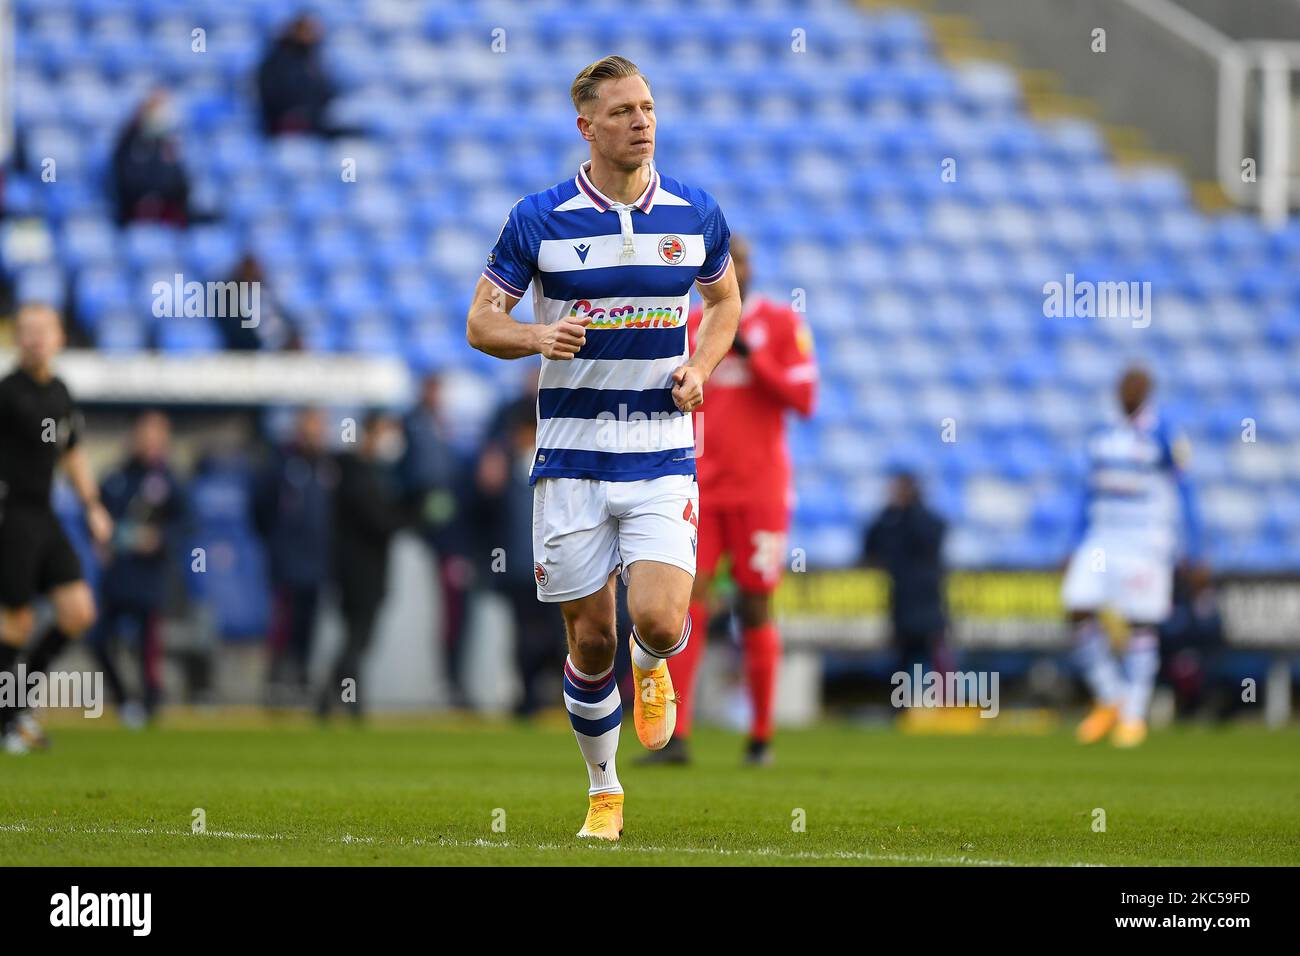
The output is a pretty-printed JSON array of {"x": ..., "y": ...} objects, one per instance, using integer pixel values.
[{"x": 672, "y": 250}]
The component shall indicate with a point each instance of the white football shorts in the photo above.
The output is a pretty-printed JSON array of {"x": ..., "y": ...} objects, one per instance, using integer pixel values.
[
  {"x": 1135, "y": 582},
  {"x": 583, "y": 529}
]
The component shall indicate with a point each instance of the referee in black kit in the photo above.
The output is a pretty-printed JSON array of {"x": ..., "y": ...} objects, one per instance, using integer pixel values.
[{"x": 39, "y": 428}]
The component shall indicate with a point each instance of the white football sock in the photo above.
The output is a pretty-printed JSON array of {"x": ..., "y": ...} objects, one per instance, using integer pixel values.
[
  {"x": 647, "y": 658},
  {"x": 1100, "y": 671},
  {"x": 596, "y": 713},
  {"x": 1141, "y": 665}
]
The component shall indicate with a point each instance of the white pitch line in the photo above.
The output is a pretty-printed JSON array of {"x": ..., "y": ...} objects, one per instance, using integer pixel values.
[
  {"x": 133, "y": 831},
  {"x": 769, "y": 852},
  {"x": 349, "y": 839}
]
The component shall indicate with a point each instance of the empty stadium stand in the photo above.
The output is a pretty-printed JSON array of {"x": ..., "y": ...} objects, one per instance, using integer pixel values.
[{"x": 924, "y": 291}]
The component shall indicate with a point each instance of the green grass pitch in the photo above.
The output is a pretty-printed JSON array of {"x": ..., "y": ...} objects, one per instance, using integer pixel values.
[{"x": 426, "y": 792}]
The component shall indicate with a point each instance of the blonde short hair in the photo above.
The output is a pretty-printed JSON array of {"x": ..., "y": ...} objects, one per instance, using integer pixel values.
[{"x": 585, "y": 86}]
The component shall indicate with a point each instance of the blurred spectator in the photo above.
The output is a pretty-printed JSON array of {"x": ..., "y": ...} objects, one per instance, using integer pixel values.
[
  {"x": 145, "y": 500},
  {"x": 149, "y": 179},
  {"x": 437, "y": 480},
  {"x": 294, "y": 88},
  {"x": 274, "y": 327},
  {"x": 906, "y": 540},
  {"x": 1192, "y": 644},
  {"x": 503, "y": 483},
  {"x": 292, "y": 505},
  {"x": 510, "y": 411},
  {"x": 368, "y": 511}
]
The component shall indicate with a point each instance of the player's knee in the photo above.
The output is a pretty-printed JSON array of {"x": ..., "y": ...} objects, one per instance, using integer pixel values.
[
  {"x": 660, "y": 627},
  {"x": 75, "y": 617},
  {"x": 755, "y": 609},
  {"x": 16, "y": 626},
  {"x": 591, "y": 643}
]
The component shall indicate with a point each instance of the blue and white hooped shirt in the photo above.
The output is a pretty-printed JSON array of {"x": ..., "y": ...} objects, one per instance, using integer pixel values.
[
  {"x": 1137, "y": 488},
  {"x": 608, "y": 413}
]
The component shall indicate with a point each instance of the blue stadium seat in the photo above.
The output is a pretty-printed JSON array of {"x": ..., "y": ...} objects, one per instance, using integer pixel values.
[
  {"x": 98, "y": 290},
  {"x": 146, "y": 243},
  {"x": 184, "y": 336},
  {"x": 121, "y": 331},
  {"x": 923, "y": 293},
  {"x": 41, "y": 283}
]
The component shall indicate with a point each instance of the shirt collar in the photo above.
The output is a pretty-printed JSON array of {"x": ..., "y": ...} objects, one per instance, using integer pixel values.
[{"x": 602, "y": 202}]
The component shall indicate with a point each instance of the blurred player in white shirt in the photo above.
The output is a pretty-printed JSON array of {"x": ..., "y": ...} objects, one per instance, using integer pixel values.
[{"x": 1135, "y": 500}]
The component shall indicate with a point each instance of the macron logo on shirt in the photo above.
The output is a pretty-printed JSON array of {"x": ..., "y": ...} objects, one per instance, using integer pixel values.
[{"x": 582, "y": 249}]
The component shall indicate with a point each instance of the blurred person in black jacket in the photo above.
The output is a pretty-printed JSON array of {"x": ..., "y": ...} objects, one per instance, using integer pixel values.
[
  {"x": 906, "y": 540},
  {"x": 368, "y": 511},
  {"x": 508, "y": 498},
  {"x": 292, "y": 508},
  {"x": 1192, "y": 644},
  {"x": 273, "y": 328},
  {"x": 146, "y": 502},
  {"x": 438, "y": 482},
  {"x": 148, "y": 176},
  {"x": 510, "y": 410},
  {"x": 294, "y": 88}
]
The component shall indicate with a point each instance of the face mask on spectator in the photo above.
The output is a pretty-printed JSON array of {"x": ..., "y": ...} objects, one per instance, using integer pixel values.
[
  {"x": 160, "y": 120},
  {"x": 390, "y": 447}
]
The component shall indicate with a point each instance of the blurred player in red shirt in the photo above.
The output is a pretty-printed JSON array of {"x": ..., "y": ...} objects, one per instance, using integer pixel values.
[{"x": 745, "y": 495}]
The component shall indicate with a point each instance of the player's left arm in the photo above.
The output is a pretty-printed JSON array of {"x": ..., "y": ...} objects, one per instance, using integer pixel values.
[
  {"x": 717, "y": 331},
  {"x": 77, "y": 468},
  {"x": 1178, "y": 455},
  {"x": 720, "y": 318},
  {"x": 783, "y": 362}
]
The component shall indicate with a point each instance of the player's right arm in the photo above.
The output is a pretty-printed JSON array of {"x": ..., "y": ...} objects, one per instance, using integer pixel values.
[
  {"x": 490, "y": 328},
  {"x": 511, "y": 266}
]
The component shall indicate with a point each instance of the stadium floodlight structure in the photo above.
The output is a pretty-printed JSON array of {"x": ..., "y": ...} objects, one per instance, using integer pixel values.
[
  {"x": 1257, "y": 92},
  {"x": 1209, "y": 82},
  {"x": 7, "y": 57}
]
